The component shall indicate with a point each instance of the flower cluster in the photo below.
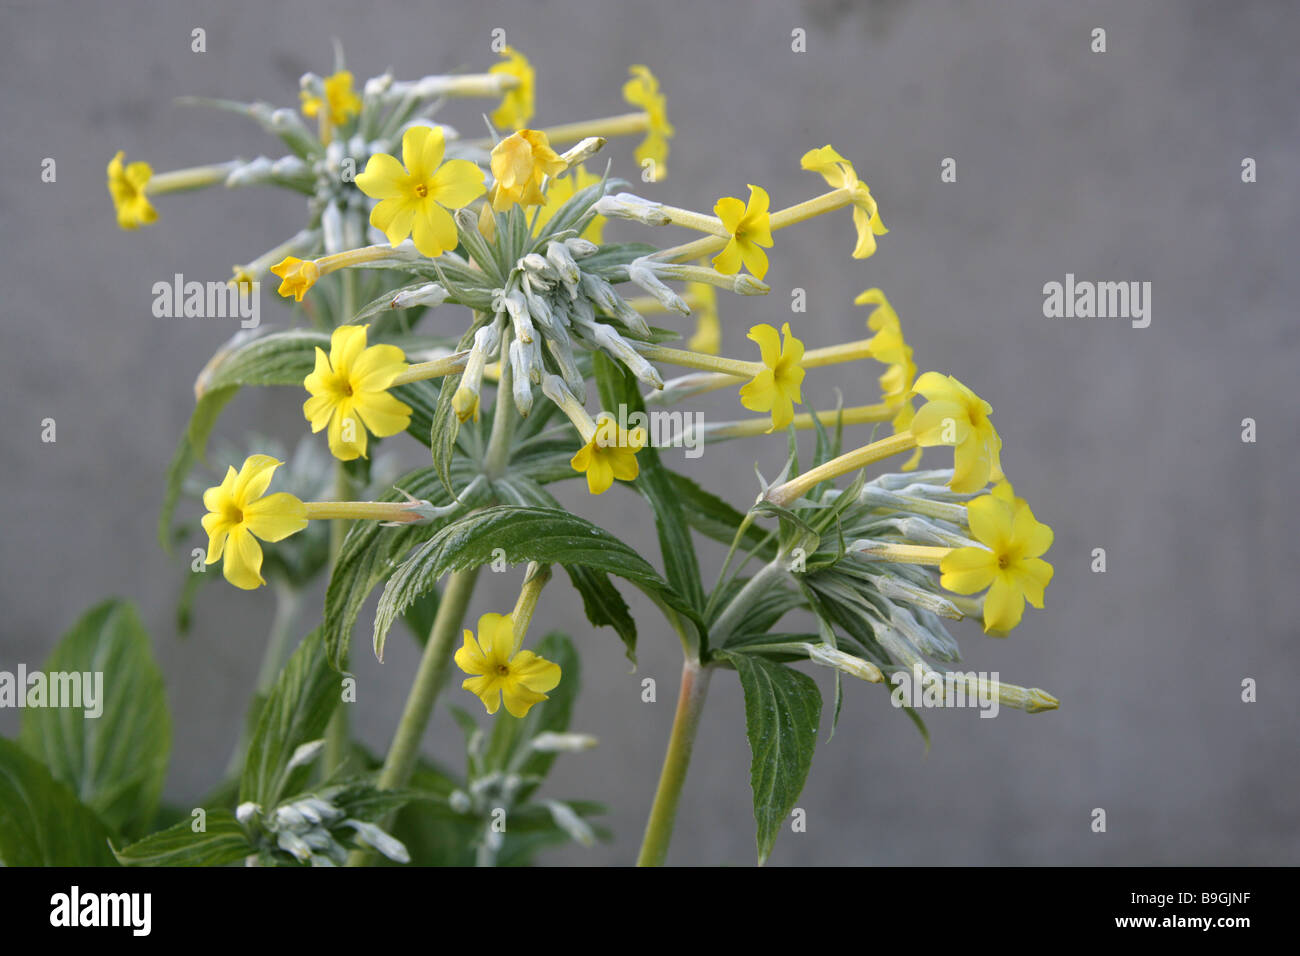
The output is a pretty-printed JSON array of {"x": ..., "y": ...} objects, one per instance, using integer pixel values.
[{"x": 539, "y": 343}]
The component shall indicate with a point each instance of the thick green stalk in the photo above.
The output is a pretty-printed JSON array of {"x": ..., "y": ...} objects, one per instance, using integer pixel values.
[{"x": 686, "y": 722}]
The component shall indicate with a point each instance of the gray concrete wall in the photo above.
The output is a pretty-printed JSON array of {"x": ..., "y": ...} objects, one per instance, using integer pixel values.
[{"x": 1116, "y": 166}]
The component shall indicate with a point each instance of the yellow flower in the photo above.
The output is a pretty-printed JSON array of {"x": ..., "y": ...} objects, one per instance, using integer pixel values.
[
  {"x": 1010, "y": 567},
  {"x": 643, "y": 91},
  {"x": 888, "y": 346},
  {"x": 519, "y": 164},
  {"x": 777, "y": 387},
  {"x": 243, "y": 278},
  {"x": 340, "y": 101},
  {"x": 349, "y": 392},
  {"x": 516, "y": 107},
  {"x": 610, "y": 453},
  {"x": 750, "y": 227},
  {"x": 296, "y": 275},
  {"x": 708, "y": 330},
  {"x": 561, "y": 191},
  {"x": 954, "y": 415},
  {"x": 414, "y": 200},
  {"x": 240, "y": 512},
  {"x": 500, "y": 670},
  {"x": 838, "y": 172},
  {"x": 127, "y": 187}
]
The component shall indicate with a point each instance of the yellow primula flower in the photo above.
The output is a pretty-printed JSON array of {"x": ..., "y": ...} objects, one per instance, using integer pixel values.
[
  {"x": 240, "y": 512},
  {"x": 750, "y": 227},
  {"x": 708, "y": 330},
  {"x": 1009, "y": 565},
  {"x": 296, "y": 275},
  {"x": 499, "y": 670},
  {"x": 954, "y": 415},
  {"x": 519, "y": 164},
  {"x": 643, "y": 91},
  {"x": 888, "y": 346},
  {"x": 127, "y": 187},
  {"x": 516, "y": 107},
  {"x": 838, "y": 172},
  {"x": 414, "y": 200},
  {"x": 777, "y": 387},
  {"x": 349, "y": 392},
  {"x": 563, "y": 189},
  {"x": 340, "y": 101},
  {"x": 610, "y": 453}
]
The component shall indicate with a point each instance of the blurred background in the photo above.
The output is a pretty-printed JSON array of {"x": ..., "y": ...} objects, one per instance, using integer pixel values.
[{"x": 1115, "y": 166}]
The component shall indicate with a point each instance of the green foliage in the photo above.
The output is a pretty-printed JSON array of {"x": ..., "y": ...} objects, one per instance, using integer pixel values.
[
  {"x": 114, "y": 762},
  {"x": 782, "y": 711},
  {"x": 42, "y": 823},
  {"x": 546, "y": 535},
  {"x": 294, "y": 715}
]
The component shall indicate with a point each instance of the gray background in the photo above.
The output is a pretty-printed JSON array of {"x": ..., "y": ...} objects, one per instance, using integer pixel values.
[{"x": 1115, "y": 166}]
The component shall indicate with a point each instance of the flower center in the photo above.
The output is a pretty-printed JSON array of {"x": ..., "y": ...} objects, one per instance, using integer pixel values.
[
  {"x": 232, "y": 514},
  {"x": 1004, "y": 561},
  {"x": 421, "y": 190},
  {"x": 503, "y": 669}
]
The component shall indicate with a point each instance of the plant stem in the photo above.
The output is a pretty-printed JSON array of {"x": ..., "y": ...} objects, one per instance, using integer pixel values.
[
  {"x": 686, "y": 722},
  {"x": 405, "y": 748},
  {"x": 400, "y": 761}
]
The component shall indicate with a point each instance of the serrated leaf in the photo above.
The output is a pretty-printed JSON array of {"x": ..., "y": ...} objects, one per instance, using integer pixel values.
[
  {"x": 782, "y": 712},
  {"x": 620, "y": 395},
  {"x": 42, "y": 823},
  {"x": 115, "y": 763},
  {"x": 297, "y": 711},
  {"x": 524, "y": 534},
  {"x": 714, "y": 518},
  {"x": 222, "y": 842},
  {"x": 370, "y": 552}
]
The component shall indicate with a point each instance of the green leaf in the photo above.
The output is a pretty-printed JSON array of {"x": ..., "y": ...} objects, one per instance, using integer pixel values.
[
  {"x": 370, "y": 552},
  {"x": 115, "y": 762},
  {"x": 714, "y": 518},
  {"x": 603, "y": 605},
  {"x": 296, "y": 713},
  {"x": 42, "y": 823},
  {"x": 223, "y": 841},
  {"x": 618, "y": 391},
  {"x": 547, "y": 535},
  {"x": 782, "y": 711}
]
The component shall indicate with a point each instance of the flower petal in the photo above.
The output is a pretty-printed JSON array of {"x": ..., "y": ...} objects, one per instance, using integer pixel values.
[
  {"x": 457, "y": 183},
  {"x": 384, "y": 178},
  {"x": 967, "y": 570},
  {"x": 243, "y": 566},
  {"x": 1004, "y": 606},
  {"x": 275, "y": 517}
]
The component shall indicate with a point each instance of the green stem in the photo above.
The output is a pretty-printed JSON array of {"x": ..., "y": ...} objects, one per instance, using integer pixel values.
[
  {"x": 405, "y": 748},
  {"x": 663, "y": 813},
  {"x": 497, "y": 456}
]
